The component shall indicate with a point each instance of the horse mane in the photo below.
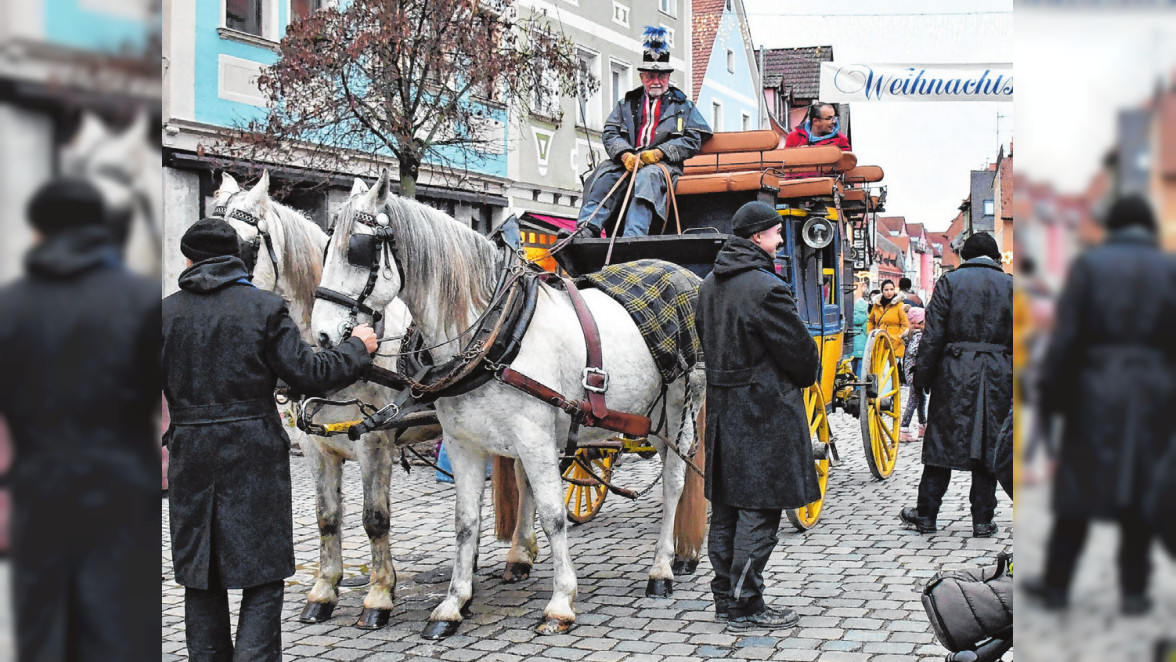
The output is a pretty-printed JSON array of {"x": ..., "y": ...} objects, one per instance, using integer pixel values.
[
  {"x": 302, "y": 266},
  {"x": 449, "y": 268}
]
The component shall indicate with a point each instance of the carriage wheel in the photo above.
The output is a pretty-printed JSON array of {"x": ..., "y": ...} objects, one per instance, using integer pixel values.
[
  {"x": 584, "y": 495},
  {"x": 806, "y": 518},
  {"x": 880, "y": 405}
]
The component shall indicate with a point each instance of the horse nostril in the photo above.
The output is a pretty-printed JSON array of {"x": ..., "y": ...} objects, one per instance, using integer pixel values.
[{"x": 324, "y": 341}]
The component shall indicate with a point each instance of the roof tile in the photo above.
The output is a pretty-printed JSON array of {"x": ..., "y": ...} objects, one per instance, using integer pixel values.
[{"x": 799, "y": 68}]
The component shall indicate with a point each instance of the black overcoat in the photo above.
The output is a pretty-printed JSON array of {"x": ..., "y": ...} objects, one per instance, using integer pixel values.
[
  {"x": 759, "y": 357},
  {"x": 1108, "y": 374},
  {"x": 225, "y": 345},
  {"x": 79, "y": 351},
  {"x": 966, "y": 360}
]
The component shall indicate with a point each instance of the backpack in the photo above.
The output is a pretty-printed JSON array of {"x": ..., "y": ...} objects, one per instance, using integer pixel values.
[{"x": 969, "y": 607}]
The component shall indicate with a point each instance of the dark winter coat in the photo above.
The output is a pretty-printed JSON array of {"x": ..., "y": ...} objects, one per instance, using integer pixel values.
[
  {"x": 79, "y": 348},
  {"x": 759, "y": 358},
  {"x": 1108, "y": 373},
  {"x": 225, "y": 345},
  {"x": 966, "y": 360},
  {"x": 679, "y": 134}
]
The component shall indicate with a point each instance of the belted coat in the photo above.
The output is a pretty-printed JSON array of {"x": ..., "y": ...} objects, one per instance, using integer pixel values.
[
  {"x": 679, "y": 134},
  {"x": 225, "y": 345},
  {"x": 1108, "y": 374},
  {"x": 966, "y": 360},
  {"x": 79, "y": 353},
  {"x": 759, "y": 358}
]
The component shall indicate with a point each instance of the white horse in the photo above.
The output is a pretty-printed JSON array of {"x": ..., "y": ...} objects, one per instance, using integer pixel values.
[
  {"x": 298, "y": 250},
  {"x": 449, "y": 272},
  {"x": 126, "y": 168}
]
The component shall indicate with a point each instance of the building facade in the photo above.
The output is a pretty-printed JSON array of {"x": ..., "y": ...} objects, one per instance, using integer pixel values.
[{"x": 726, "y": 74}]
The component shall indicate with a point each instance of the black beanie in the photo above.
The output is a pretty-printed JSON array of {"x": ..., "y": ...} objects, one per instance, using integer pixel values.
[
  {"x": 1131, "y": 210},
  {"x": 753, "y": 217},
  {"x": 64, "y": 203},
  {"x": 979, "y": 244},
  {"x": 209, "y": 238}
]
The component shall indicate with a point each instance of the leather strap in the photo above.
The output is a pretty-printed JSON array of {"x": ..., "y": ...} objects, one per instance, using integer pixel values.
[
  {"x": 629, "y": 424},
  {"x": 673, "y": 198},
  {"x": 595, "y": 379}
]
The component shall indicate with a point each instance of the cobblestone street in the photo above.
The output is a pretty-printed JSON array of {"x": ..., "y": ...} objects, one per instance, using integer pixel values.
[{"x": 854, "y": 579}]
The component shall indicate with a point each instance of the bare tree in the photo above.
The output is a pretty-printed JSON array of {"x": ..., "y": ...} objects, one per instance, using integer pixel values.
[{"x": 418, "y": 80}]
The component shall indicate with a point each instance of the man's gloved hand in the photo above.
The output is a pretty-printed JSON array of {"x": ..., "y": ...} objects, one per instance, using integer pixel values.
[
  {"x": 630, "y": 159},
  {"x": 368, "y": 336},
  {"x": 651, "y": 156}
]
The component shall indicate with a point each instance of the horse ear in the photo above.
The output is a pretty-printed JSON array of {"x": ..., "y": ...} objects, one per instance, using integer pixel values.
[
  {"x": 228, "y": 185},
  {"x": 358, "y": 187},
  {"x": 377, "y": 195},
  {"x": 259, "y": 194}
]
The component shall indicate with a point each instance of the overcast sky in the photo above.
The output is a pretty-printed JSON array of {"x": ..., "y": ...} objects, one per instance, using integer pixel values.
[{"x": 925, "y": 148}]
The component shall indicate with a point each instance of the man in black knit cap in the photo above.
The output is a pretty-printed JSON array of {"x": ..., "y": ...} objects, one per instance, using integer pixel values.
[
  {"x": 225, "y": 345},
  {"x": 966, "y": 360}
]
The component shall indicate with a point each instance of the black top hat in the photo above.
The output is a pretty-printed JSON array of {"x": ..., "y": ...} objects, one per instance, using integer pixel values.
[{"x": 656, "y": 50}]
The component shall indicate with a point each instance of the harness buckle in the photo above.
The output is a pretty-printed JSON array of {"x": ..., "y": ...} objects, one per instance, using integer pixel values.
[{"x": 600, "y": 384}]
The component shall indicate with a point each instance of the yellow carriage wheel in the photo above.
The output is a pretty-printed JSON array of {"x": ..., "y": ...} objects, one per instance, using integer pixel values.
[
  {"x": 806, "y": 518},
  {"x": 880, "y": 405},
  {"x": 584, "y": 495}
]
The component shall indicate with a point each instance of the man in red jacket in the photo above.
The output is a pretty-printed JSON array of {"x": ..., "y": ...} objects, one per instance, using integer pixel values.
[{"x": 821, "y": 127}]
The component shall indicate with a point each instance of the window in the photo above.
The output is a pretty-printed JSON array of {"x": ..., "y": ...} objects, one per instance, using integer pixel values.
[
  {"x": 589, "y": 70},
  {"x": 730, "y": 60},
  {"x": 621, "y": 80},
  {"x": 244, "y": 16},
  {"x": 745, "y": 123},
  {"x": 988, "y": 208},
  {"x": 716, "y": 116},
  {"x": 304, "y": 8},
  {"x": 620, "y": 14},
  {"x": 668, "y": 7},
  {"x": 546, "y": 97},
  {"x": 669, "y": 34}
]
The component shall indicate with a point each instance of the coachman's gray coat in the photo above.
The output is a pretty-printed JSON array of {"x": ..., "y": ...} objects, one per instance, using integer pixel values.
[
  {"x": 759, "y": 358},
  {"x": 966, "y": 360},
  {"x": 679, "y": 134},
  {"x": 79, "y": 360},
  {"x": 225, "y": 345},
  {"x": 1108, "y": 374}
]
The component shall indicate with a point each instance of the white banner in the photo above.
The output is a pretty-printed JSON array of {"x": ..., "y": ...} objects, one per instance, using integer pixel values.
[{"x": 842, "y": 83}]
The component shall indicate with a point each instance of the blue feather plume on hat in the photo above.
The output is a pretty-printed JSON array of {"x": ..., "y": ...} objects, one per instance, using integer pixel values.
[{"x": 654, "y": 40}]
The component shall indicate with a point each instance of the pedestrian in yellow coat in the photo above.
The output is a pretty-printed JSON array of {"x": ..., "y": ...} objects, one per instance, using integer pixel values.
[{"x": 888, "y": 313}]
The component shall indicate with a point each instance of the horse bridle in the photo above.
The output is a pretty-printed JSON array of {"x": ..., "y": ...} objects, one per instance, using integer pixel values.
[
  {"x": 369, "y": 247},
  {"x": 250, "y": 250}
]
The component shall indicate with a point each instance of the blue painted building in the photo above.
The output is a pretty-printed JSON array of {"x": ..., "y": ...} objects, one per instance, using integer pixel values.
[{"x": 727, "y": 87}]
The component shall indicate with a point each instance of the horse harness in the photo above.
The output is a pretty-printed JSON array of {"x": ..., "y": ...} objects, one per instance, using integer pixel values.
[
  {"x": 365, "y": 251},
  {"x": 250, "y": 249}
]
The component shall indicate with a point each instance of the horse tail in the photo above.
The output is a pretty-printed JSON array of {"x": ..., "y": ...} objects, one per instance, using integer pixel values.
[{"x": 690, "y": 521}]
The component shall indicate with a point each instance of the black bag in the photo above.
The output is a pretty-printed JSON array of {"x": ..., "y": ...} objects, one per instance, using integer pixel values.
[{"x": 968, "y": 607}]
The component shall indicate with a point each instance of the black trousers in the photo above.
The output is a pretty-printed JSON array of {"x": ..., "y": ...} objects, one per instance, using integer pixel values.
[
  {"x": 1069, "y": 537},
  {"x": 259, "y": 625},
  {"x": 934, "y": 485},
  {"x": 739, "y": 544}
]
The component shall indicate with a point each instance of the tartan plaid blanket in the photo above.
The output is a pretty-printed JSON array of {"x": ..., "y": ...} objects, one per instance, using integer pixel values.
[{"x": 660, "y": 297}]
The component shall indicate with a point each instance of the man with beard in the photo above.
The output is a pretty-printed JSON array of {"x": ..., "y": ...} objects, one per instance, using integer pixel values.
[
  {"x": 656, "y": 123},
  {"x": 759, "y": 455}
]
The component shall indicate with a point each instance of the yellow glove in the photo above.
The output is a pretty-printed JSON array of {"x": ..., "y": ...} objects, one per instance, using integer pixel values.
[
  {"x": 651, "y": 156},
  {"x": 630, "y": 160}
]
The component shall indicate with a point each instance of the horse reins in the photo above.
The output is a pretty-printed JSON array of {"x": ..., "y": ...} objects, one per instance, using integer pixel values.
[{"x": 386, "y": 248}]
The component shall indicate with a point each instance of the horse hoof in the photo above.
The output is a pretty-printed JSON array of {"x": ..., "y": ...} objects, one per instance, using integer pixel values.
[
  {"x": 516, "y": 572},
  {"x": 373, "y": 619},
  {"x": 317, "y": 612},
  {"x": 659, "y": 588},
  {"x": 551, "y": 625},
  {"x": 682, "y": 566},
  {"x": 437, "y": 630}
]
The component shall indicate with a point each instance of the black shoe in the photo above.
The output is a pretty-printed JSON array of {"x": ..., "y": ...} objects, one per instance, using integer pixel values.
[
  {"x": 1051, "y": 598},
  {"x": 1136, "y": 605},
  {"x": 722, "y": 616},
  {"x": 586, "y": 232},
  {"x": 911, "y": 517},
  {"x": 984, "y": 530},
  {"x": 765, "y": 620}
]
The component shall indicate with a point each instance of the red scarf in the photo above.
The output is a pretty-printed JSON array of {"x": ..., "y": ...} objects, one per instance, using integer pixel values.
[{"x": 651, "y": 109}]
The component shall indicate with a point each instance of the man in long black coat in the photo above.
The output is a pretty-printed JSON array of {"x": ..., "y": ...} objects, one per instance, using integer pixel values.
[
  {"x": 759, "y": 455},
  {"x": 225, "y": 345},
  {"x": 966, "y": 360},
  {"x": 1108, "y": 375},
  {"x": 79, "y": 348}
]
